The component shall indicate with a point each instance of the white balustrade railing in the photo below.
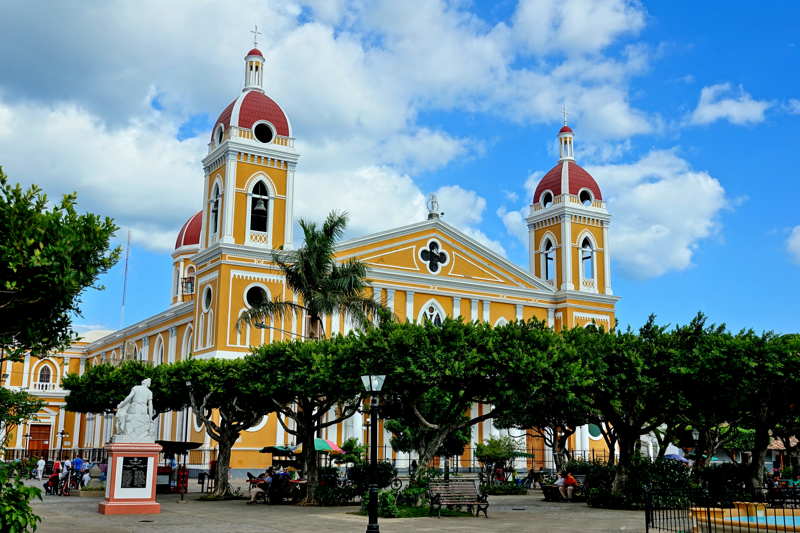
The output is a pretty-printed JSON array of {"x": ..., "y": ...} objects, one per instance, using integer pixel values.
[{"x": 43, "y": 386}]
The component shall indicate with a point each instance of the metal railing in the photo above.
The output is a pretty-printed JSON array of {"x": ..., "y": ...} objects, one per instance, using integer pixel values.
[
  {"x": 93, "y": 455},
  {"x": 725, "y": 510}
]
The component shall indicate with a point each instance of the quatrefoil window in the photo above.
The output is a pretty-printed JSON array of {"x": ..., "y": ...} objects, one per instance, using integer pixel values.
[{"x": 434, "y": 256}]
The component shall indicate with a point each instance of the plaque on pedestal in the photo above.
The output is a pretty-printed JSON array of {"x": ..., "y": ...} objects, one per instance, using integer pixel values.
[{"x": 131, "y": 481}]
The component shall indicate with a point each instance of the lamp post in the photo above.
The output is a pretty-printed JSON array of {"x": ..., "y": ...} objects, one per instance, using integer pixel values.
[
  {"x": 27, "y": 444},
  {"x": 63, "y": 434},
  {"x": 373, "y": 385}
]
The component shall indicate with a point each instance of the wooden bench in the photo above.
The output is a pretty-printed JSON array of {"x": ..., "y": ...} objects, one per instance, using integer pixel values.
[
  {"x": 457, "y": 493},
  {"x": 552, "y": 494}
]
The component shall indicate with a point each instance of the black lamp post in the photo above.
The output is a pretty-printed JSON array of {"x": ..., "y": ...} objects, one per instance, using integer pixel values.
[
  {"x": 373, "y": 385},
  {"x": 63, "y": 434}
]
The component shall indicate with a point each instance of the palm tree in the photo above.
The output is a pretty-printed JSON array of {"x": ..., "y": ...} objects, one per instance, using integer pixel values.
[{"x": 323, "y": 285}]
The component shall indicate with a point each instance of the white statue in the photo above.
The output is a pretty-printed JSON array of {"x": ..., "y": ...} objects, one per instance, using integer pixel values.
[{"x": 134, "y": 418}]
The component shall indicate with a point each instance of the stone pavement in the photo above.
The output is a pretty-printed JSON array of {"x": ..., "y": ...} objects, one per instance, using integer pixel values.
[{"x": 507, "y": 513}]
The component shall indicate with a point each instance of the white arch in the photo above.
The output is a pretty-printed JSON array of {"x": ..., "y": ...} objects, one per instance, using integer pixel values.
[
  {"x": 252, "y": 237},
  {"x": 548, "y": 236},
  {"x": 243, "y": 329},
  {"x": 502, "y": 321},
  {"x": 587, "y": 283},
  {"x": 541, "y": 197},
  {"x": 158, "y": 350},
  {"x": 210, "y": 328},
  {"x": 186, "y": 343},
  {"x": 216, "y": 187},
  {"x": 424, "y": 311}
]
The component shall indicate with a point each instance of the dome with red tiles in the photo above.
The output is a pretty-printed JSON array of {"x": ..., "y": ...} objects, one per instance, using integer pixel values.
[
  {"x": 189, "y": 235},
  {"x": 576, "y": 179},
  {"x": 565, "y": 129},
  {"x": 255, "y": 52},
  {"x": 252, "y": 107}
]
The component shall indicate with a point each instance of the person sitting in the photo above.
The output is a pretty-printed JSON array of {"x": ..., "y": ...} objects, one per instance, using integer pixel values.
[
  {"x": 51, "y": 485},
  {"x": 530, "y": 479},
  {"x": 262, "y": 487},
  {"x": 567, "y": 488}
]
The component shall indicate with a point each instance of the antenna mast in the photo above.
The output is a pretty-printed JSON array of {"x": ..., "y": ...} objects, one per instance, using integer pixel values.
[{"x": 125, "y": 281}]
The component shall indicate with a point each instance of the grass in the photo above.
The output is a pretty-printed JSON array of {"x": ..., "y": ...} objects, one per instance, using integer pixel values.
[{"x": 418, "y": 512}]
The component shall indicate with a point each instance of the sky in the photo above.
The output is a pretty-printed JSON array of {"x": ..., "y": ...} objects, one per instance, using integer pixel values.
[{"x": 685, "y": 113}]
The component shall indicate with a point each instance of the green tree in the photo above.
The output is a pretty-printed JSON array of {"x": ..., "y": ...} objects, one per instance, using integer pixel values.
[
  {"x": 15, "y": 408},
  {"x": 435, "y": 374},
  {"x": 629, "y": 392},
  {"x": 51, "y": 253},
  {"x": 224, "y": 397},
  {"x": 324, "y": 286},
  {"x": 315, "y": 384}
]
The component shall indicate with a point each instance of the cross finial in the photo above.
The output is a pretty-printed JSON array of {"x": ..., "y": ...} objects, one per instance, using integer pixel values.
[
  {"x": 255, "y": 33},
  {"x": 564, "y": 112}
]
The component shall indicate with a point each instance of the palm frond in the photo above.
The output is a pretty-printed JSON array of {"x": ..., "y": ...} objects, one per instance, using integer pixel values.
[{"x": 268, "y": 310}]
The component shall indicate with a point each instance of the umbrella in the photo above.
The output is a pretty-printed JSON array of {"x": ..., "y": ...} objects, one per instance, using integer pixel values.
[
  {"x": 323, "y": 445},
  {"x": 279, "y": 450},
  {"x": 676, "y": 457}
]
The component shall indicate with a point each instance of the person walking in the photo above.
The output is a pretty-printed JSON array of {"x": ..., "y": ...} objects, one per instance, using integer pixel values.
[{"x": 40, "y": 468}]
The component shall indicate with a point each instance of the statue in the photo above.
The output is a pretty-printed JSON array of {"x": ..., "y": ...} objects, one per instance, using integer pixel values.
[{"x": 134, "y": 418}]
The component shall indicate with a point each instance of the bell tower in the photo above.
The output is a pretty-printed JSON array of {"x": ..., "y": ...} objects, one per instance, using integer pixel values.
[{"x": 568, "y": 226}]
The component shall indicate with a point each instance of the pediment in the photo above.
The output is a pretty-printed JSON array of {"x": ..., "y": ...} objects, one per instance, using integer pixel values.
[{"x": 434, "y": 249}]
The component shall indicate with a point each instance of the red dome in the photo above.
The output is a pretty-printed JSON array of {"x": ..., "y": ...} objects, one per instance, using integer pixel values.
[
  {"x": 255, "y": 52},
  {"x": 577, "y": 178},
  {"x": 565, "y": 129},
  {"x": 249, "y": 108},
  {"x": 189, "y": 235}
]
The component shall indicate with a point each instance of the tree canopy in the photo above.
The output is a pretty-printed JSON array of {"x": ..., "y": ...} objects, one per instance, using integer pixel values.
[{"x": 51, "y": 253}]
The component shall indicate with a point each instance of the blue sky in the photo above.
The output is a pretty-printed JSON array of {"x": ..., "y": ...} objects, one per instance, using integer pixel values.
[{"x": 686, "y": 114}]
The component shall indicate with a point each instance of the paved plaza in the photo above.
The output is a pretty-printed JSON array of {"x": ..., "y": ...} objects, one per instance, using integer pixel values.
[{"x": 507, "y": 513}]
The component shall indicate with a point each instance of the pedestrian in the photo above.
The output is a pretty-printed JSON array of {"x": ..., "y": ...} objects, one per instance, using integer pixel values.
[{"x": 40, "y": 468}]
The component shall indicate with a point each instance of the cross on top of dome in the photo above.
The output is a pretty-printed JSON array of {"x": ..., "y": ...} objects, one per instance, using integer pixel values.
[{"x": 255, "y": 33}]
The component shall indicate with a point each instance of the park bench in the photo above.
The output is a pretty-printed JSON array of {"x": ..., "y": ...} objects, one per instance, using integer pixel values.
[
  {"x": 457, "y": 493},
  {"x": 552, "y": 494}
]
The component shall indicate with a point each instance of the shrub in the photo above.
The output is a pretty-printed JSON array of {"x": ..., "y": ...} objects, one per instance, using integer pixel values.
[
  {"x": 359, "y": 475},
  {"x": 387, "y": 504},
  {"x": 16, "y": 514},
  {"x": 645, "y": 474},
  {"x": 425, "y": 476},
  {"x": 412, "y": 496},
  {"x": 499, "y": 489}
]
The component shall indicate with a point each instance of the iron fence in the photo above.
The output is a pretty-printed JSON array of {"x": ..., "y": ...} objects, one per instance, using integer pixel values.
[
  {"x": 92, "y": 455},
  {"x": 729, "y": 510}
]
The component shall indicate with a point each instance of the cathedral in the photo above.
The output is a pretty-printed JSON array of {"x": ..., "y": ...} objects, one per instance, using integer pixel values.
[{"x": 222, "y": 264}]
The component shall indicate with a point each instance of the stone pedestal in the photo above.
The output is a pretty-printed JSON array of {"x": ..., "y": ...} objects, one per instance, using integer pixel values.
[{"x": 131, "y": 479}]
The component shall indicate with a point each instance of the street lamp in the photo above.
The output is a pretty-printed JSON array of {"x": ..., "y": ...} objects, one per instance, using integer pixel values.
[
  {"x": 373, "y": 385},
  {"x": 27, "y": 444},
  {"x": 63, "y": 434}
]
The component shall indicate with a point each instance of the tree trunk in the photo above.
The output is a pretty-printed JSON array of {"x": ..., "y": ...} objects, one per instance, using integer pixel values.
[
  {"x": 760, "y": 446},
  {"x": 627, "y": 445},
  {"x": 428, "y": 451},
  {"x": 309, "y": 454},
  {"x": 223, "y": 486}
]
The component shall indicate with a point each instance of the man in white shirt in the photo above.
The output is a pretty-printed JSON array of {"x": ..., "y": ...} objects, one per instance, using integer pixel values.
[{"x": 40, "y": 468}]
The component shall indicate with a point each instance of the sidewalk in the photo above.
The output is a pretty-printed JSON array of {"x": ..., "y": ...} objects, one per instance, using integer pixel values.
[{"x": 507, "y": 513}]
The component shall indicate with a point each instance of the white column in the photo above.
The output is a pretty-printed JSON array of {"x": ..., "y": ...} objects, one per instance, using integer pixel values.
[
  {"x": 289, "y": 221},
  {"x": 390, "y": 299},
  {"x": 473, "y": 310},
  {"x": 551, "y": 317},
  {"x": 172, "y": 344},
  {"x": 205, "y": 204},
  {"x": 486, "y": 315},
  {"x": 20, "y": 430},
  {"x": 145, "y": 355},
  {"x": 566, "y": 247},
  {"x": 26, "y": 369},
  {"x": 607, "y": 260},
  {"x": 335, "y": 320},
  {"x": 519, "y": 312},
  {"x": 456, "y": 306},
  {"x": 76, "y": 429},
  {"x": 358, "y": 427},
  {"x": 228, "y": 198},
  {"x": 410, "y": 306}
]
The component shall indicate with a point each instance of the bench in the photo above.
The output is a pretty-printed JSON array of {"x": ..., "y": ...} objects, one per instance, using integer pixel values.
[
  {"x": 552, "y": 494},
  {"x": 457, "y": 493}
]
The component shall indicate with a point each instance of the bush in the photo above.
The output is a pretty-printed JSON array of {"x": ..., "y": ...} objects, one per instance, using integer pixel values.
[
  {"x": 16, "y": 515},
  {"x": 387, "y": 504},
  {"x": 425, "y": 476},
  {"x": 644, "y": 474},
  {"x": 499, "y": 489},
  {"x": 412, "y": 496},
  {"x": 359, "y": 475}
]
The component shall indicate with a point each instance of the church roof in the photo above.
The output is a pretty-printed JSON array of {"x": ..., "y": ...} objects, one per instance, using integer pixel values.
[
  {"x": 255, "y": 52},
  {"x": 189, "y": 235},
  {"x": 577, "y": 179},
  {"x": 252, "y": 106}
]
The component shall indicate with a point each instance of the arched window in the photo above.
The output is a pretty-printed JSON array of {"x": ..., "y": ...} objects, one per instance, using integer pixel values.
[
  {"x": 587, "y": 259},
  {"x": 215, "y": 210},
  {"x": 432, "y": 312},
  {"x": 549, "y": 260},
  {"x": 158, "y": 355},
  {"x": 44, "y": 374},
  {"x": 259, "y": 207}
]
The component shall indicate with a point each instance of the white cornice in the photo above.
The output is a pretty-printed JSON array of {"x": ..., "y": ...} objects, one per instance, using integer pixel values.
[
  {"x": 276, "y": 151},
  {"x": 170, "y": 314}
]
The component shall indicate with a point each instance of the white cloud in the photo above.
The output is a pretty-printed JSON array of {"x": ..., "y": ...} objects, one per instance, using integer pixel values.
[
  {"x": 722, "y": 102},
  {"x": 793, "y": 106},
  {"x": 662, "y": 210},
  {"x": 575, "y": 26},
  {"x": 793, "y": 244}
]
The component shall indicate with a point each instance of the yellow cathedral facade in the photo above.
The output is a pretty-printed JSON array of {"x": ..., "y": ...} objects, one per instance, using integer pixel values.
[{"x": 426, "y": 269}]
